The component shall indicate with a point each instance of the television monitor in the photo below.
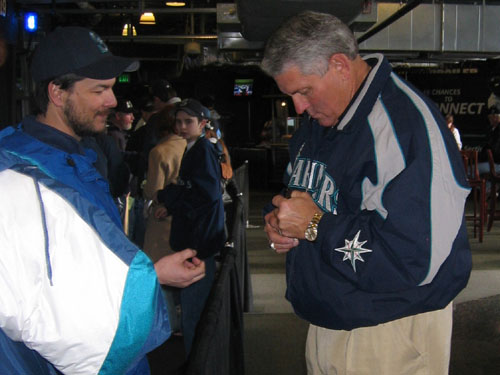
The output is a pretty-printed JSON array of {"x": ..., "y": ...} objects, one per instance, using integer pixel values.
[
  {"x": 243, "y": 87},
  {"x": 292, "y": 123}
]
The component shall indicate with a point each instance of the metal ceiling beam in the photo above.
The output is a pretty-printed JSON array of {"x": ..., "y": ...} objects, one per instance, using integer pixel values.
[
  {"x": 126, "y": 11},
  {"x": 160, "y": 39},
  {"x": 66, "y": 1}
]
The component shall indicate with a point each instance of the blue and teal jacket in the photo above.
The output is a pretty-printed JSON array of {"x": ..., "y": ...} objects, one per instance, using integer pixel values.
[{"x": 77, "y": 296}]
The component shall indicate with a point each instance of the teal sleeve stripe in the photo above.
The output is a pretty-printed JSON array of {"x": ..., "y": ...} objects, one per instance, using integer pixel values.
[{"x": 137, "y": 314}]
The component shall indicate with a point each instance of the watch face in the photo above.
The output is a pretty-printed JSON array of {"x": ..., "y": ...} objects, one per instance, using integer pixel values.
[{"x": 311, "y": 234}]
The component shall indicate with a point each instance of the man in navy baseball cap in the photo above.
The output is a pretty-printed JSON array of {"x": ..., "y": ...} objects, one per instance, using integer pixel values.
[
  {"x": 74, "y": 72},
  {"x": 79, "y": 51},
  {"x": 48, "y": 172}
]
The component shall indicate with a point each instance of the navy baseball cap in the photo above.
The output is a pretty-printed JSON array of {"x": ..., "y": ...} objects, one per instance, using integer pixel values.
[
  {"x": 124, "y": 106},
  {"x": 163, "y": 90},
  {"x": 193, "y": 108},
  {"x": 79, "y": 51}
]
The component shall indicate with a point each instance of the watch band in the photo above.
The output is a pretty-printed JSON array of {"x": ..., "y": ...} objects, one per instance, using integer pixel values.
[{"x": 312, "y": 229}]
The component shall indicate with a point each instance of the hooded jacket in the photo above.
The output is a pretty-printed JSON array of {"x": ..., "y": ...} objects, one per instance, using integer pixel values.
[{"x": 77, "y": 295}]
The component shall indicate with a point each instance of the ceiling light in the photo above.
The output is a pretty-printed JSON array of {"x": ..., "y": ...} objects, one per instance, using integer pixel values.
[
  {"x": 147, "y": 18},
  {"x": 175, "y": 3},
  {"x": 126, "y": 28}
]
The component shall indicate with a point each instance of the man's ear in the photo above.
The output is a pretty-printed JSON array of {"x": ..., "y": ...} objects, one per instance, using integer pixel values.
[
  {"x": 340, "y": 64},
  {"x": 56, "y": 94}
]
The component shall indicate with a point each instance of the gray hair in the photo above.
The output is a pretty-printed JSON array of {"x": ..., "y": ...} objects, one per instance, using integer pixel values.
[{"x": 308, "y": 40}]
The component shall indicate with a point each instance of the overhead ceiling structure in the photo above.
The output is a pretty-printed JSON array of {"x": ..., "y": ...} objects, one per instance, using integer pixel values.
[
  {"x": 234, "y": 32},
  {"x": 200, "y": 32},
  {"x": 434, "y": 31}
]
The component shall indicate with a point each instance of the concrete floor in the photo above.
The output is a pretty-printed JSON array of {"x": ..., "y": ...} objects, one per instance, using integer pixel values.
[{"x": 275, "y": 337}]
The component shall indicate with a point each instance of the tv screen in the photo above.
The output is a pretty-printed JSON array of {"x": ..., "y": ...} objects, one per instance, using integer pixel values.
[
  {"x": 292, "y": 123},
  {"x": 243, "y": 87}
]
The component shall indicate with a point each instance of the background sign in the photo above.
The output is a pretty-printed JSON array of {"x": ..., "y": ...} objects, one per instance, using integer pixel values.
[{"x": 460, "y": 91}]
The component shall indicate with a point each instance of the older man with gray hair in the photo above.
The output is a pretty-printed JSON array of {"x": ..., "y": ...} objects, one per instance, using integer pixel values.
[{"x": 372, "y": 218}]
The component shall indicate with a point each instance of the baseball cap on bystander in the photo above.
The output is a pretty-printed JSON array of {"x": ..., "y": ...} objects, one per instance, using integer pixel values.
[{"x": 80, "y": 51}]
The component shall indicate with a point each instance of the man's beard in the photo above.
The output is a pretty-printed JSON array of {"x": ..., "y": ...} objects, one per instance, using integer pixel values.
[{"x": 82, "y": 126}]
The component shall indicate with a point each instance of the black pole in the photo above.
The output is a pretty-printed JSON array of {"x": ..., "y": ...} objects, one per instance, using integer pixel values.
[{"x": 397, "y": 15}]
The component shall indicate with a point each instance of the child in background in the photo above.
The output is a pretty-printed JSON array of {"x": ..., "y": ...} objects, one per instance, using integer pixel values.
[{"x": 197, "y": 210}]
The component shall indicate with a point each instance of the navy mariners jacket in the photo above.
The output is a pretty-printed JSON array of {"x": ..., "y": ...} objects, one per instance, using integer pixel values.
[
  {"x": 195, "y": 202},
  {"x": 393, "y": 241}
]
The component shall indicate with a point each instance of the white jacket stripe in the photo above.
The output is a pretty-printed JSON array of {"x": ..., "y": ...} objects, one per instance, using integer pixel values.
[
  {"x": 72, "y": 323},
  {"x": 447, "y": 196}
]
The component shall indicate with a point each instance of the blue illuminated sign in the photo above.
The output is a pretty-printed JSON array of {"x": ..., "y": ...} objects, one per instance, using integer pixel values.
[{"x": 31, "y": 22}]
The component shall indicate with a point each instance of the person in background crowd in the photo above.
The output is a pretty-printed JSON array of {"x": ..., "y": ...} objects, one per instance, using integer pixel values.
[
  {"x": 164, "y": 96},
  {"x": 146, "y": 137},
  {"x": 140, "y": 144},
  {"x": 494, "y": 98},
  {"x": 214, "y": 135},
  {"x": 491, "y": 142},
  {"x": 372, "y": 221},
  {"x": 115, "y": 170},
  {"x": 266, "y": 135},
  {"x": 77, "y": 296},
  {"x": 195, "y": 203},
  {"x": 215, "y": 118},
  {"x": 163, "y": 169},
  {"x": 146, "y": 106},
  {"x": 454, "y": 130},
  {"x": 112, "y": 143},
  {"x": 120, "y": 122}
]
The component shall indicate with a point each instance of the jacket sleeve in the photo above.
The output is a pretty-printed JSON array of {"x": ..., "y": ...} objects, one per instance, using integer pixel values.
[{"x": 199, "y": 183}]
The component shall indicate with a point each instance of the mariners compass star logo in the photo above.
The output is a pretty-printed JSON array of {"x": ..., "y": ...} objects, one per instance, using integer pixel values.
[{"x": 353, "y": 250}]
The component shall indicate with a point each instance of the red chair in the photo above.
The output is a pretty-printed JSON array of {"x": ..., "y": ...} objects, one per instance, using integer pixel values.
[
  {"x": 478, "y": 186},
  {"x": 494, "y": 178}
]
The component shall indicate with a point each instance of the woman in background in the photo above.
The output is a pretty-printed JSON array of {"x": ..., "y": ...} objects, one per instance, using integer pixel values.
[{"x": 163, "y": 168}]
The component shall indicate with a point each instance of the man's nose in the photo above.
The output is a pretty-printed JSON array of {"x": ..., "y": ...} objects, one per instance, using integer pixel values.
[
  {"x": 299, "y": 103},
  {"x": 111, "y": 100}
]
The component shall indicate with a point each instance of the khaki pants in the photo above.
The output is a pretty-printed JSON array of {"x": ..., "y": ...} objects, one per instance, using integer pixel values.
[{"x": 414, "y": 345}]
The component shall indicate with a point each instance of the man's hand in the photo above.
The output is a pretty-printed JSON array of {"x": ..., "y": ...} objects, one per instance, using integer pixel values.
[
  {"x": 295, "y": 213},
  {"x": 179, "y": 270},
  {"x": 278, "y": 242},
  {"x": 286, "y": 224}
]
